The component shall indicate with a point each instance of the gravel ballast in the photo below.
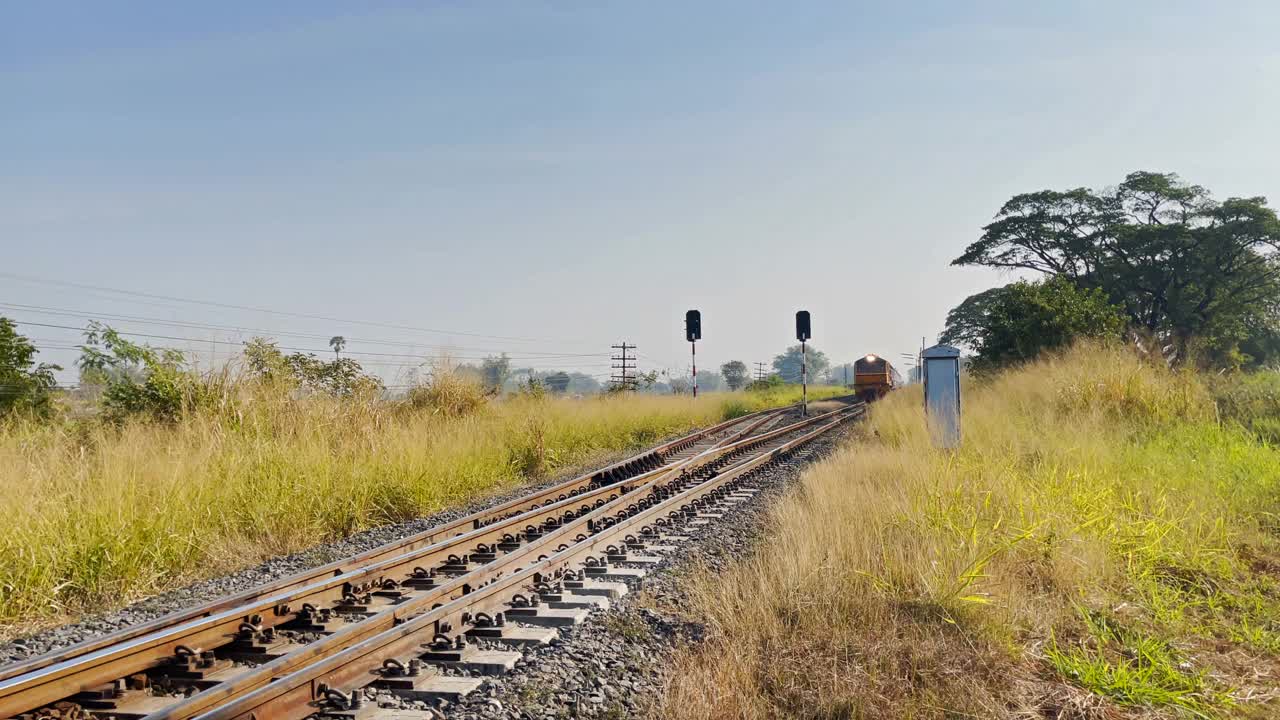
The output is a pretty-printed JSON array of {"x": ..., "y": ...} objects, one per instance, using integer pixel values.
[
  {"x": 616, "y": 664},
  {"x": 612, "y": 666}
]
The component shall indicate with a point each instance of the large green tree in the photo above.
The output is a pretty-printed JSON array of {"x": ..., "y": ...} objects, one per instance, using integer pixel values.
[
  {"x": 1019, "y": 321},
  {"x": 495, "y": 370},
  {"x": 24, "y": 383},
  {"x": 787, "y": 364},
  {"x": 1182, "y": 266},
  {"x": 558, "y": 382},
  {"x": 735, "y": 374}
]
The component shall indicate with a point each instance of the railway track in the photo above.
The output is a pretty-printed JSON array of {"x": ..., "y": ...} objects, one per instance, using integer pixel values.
[{"x": 419, "y": 617}]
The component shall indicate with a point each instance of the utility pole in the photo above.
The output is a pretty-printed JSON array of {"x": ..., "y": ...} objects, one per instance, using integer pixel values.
[
  {"x": 759, "y": 371},
  {"x": 624, "y": 364},
  {"x": 920, "y": 359},
  {"x": 910, "y": 358}
]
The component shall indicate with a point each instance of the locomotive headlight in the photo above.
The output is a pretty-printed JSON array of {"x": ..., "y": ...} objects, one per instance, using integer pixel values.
[{"x": 871, "y": 358}]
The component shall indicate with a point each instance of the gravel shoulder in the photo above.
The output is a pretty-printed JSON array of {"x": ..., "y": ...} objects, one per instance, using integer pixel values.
[{"x": 616, "y": 664}]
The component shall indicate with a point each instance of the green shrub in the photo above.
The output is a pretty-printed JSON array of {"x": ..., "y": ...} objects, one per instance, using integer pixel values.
[
  {"x": 24, "y": 385},
  {"x": 1250, "y": 400},
  {"x": 447, "y": 393}
]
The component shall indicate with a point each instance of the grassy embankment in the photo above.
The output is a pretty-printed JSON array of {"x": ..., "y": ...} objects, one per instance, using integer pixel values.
[
  {"x": 98, "y": 515},
  {"x": 1106, "y": 544}
]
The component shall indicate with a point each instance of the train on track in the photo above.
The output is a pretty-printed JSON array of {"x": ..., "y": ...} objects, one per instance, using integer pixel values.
[{"x": 874, "y": 377}]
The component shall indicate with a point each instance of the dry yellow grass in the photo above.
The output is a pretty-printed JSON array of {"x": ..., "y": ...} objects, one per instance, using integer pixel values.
[
  {"x": 1099, "y": 547},
  {"x": 97, "y": 515}
]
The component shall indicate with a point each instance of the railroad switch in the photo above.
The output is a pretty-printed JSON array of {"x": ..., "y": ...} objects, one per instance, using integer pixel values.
[
  {"x": 62, "y": 710},
  {"x": 390, "y": 589},
  {"x": 340, "y": 706},
  {"x": 313, "y": 619},
  {"x": 354, "y": 599},
  {"x": 557, "y": 597},
  {"x": 513, "y": 636},
  {"x": 365, "y": 604},
  {"x": 194, "y": 664},
  {"x": 549, "y": 616},
  {"x": 595, "y": 567},
  {"x": 258, "y": 645},
  {"x": 394, "y": 669},
  {"x": 455, "y": 565},
  {"x": 483, "y": 554},
  {"x": 422, "y": 579},
  {"x": 442, "y": 649},
  {"x": 125, "y": 699}
]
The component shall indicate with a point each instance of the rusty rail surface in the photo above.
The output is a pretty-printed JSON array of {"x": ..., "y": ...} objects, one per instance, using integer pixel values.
[
  {"x": 295, "y": 688},
  {"x": 643, "y": 462},
  {"x": 40, "y": 681}
]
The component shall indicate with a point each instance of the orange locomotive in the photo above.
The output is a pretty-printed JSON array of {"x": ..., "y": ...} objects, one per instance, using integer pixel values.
[{"x": 873, "y": 377}]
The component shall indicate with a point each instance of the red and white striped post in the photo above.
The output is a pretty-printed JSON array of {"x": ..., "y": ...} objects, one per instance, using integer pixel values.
[{"x": 693, "y": 349}]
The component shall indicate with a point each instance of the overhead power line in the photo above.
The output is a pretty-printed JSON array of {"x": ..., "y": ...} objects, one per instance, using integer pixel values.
[
  {"x": 292, "y": 349},
  {"x": 65, "y": 312},
  {"x": 250, "y": 308}
]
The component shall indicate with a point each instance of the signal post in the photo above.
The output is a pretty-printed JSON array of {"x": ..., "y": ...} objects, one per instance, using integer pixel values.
[
  {"x": 803, "y": 333},
  {"x": 693, "y": 333}
]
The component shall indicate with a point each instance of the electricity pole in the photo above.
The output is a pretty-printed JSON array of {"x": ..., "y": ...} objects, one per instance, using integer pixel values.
[{"x": 624, "y": 365}]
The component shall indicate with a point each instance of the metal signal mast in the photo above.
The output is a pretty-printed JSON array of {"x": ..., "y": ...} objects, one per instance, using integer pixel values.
[{"x": 693, "y": 333}]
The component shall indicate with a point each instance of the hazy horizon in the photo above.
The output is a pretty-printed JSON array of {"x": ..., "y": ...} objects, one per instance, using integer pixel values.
[{"x": 554, "y": 178}]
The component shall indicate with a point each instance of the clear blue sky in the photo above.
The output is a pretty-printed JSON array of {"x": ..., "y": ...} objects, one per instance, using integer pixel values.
[{"x": 579, "y": 173}]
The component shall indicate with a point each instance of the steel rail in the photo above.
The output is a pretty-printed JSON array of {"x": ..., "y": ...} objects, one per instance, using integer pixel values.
[
  {"x": 61, "y": 680},
  {"x": 286, "y": 688},
  {"x": 641, "y": 462}
]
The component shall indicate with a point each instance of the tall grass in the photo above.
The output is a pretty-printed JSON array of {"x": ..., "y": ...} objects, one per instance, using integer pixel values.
[
  {"x": 1100, "y": 541},
  {"x": 1251, "y": 401},
  {"x": 97, "y": 515}
]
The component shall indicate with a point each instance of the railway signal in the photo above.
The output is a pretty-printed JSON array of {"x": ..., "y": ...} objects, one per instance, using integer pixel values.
[
  {"x": 693, "y": 325},
  {"x": 693, "y": 333},
  {"x": 803, "y": 333}
]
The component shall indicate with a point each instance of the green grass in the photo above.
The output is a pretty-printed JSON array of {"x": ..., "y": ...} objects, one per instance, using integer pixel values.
[
  {"x": 930, "y": 583},
  {"x": 1133, "y": 669},
  {"x": 98, "y": 515},
  {"x": 1251, "y": 401}
]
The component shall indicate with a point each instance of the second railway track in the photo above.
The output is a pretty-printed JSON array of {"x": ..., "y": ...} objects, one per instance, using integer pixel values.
[{"x": 399, "y": 617}]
